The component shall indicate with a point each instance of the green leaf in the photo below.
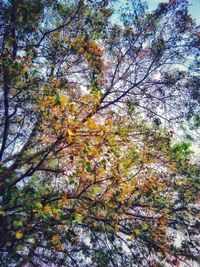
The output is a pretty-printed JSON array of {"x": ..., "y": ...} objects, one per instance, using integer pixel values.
[
  {"x": 88, "y": 167},
  {"x": 20, "y": 247},
  {"x": 2, "y": 212},
  {"x": 160, "y": 200},
  {"x": 181, "y": 150},
  {"x": 145, "y": 226},
  {"x": 17, "y": 224},
  {"x": 53, "y": 163},
  {"x": 37, "y": 205},
  {"x": 78, "y": 217}
]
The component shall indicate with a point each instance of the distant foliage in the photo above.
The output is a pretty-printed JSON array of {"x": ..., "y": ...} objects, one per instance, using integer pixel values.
[{"x": 90, "y": 171}]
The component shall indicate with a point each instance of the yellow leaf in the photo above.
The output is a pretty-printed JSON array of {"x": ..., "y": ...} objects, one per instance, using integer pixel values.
[
  {"x": 101, "y": 172},
  {"x": 64, "y": 100},
  {"x": 57, "y": 126},
  {"x": 137, "y": 231},
  {"x": 70, "y": 133},
  {"x": 96, "y": 189},
  {"x": 70, "y": 140},
  {"x": 72, "y": 107},
  {"x": 109, "y": 121},
  {"x": 94, "y": 152},
  {"x": 90, "y": 177},
  {"x": 105, "y": 129},
  {"x": 81, "y": 50},
  {"x": 19, "y": 234},
  {"x": 112, "y": 141},
  {"x": 91, "y": 124},
  {"x": 55, "y": 239},
  {"x": 47, "y": 209},
  {"x": 56, "y": 214}
]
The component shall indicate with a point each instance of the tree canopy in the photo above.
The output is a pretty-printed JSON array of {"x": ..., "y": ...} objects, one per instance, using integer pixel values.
[{"x": 91, "y": 171}]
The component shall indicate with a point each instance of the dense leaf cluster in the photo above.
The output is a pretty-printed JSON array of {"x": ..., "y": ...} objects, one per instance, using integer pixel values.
[{"x": 90, "y": 174}]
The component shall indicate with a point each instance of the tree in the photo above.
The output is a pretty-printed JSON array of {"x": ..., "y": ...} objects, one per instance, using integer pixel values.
[{"x": 88, "y": 173}]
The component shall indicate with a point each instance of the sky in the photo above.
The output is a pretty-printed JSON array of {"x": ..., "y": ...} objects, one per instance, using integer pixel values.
[{"x": 194, "y": 7}]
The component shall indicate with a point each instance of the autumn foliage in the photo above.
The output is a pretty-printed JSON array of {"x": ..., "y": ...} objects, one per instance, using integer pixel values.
[{"x": 91, "y": 172}]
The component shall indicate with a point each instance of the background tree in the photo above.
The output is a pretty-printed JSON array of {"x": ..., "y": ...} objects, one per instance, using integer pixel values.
[{"x": 86, "y": 178}]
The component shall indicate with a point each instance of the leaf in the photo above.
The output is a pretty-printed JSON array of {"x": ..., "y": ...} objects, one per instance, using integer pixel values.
[
  {"x": 20, "y": 247},
  {"x": 112, "y": 141},
  {"x": 64, "y": 100},
  {"x": 17, "y": 223},
  {"x": 53, "y": 163},
  {"x": 37, "y": 205},
  {"x": 19, "y": 234},
  {"x": 93, "y": 152},
  {"x": 56, "y": 83},
  {"x": 145, "y": 226},
  {"x": 91, "y": 124},
  {"x": 137, "y": 231},
  {"x": 160, "y": 200},
  {"x": 90, "y": 177},
  {"x": 2, "y": 212},
  {"x": 108, "y": 121},
  {"x": 181, "y": 150},
  {"x": 47, "y": 209},
  {"x": 88, "y": 167},
  {"x": 56, "y": 214},
  {"x": 65, "y": 38},
  {"x": 78, "y": 217},
  {"x": 96, "y": 189},
  {"x": 70, "y": 133},
  {"x": 101, "y": 172},
  {"x": 21, "y": 18},
  {"x": 55, "y": 239},
  {"x": 64, "y": 200}
]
